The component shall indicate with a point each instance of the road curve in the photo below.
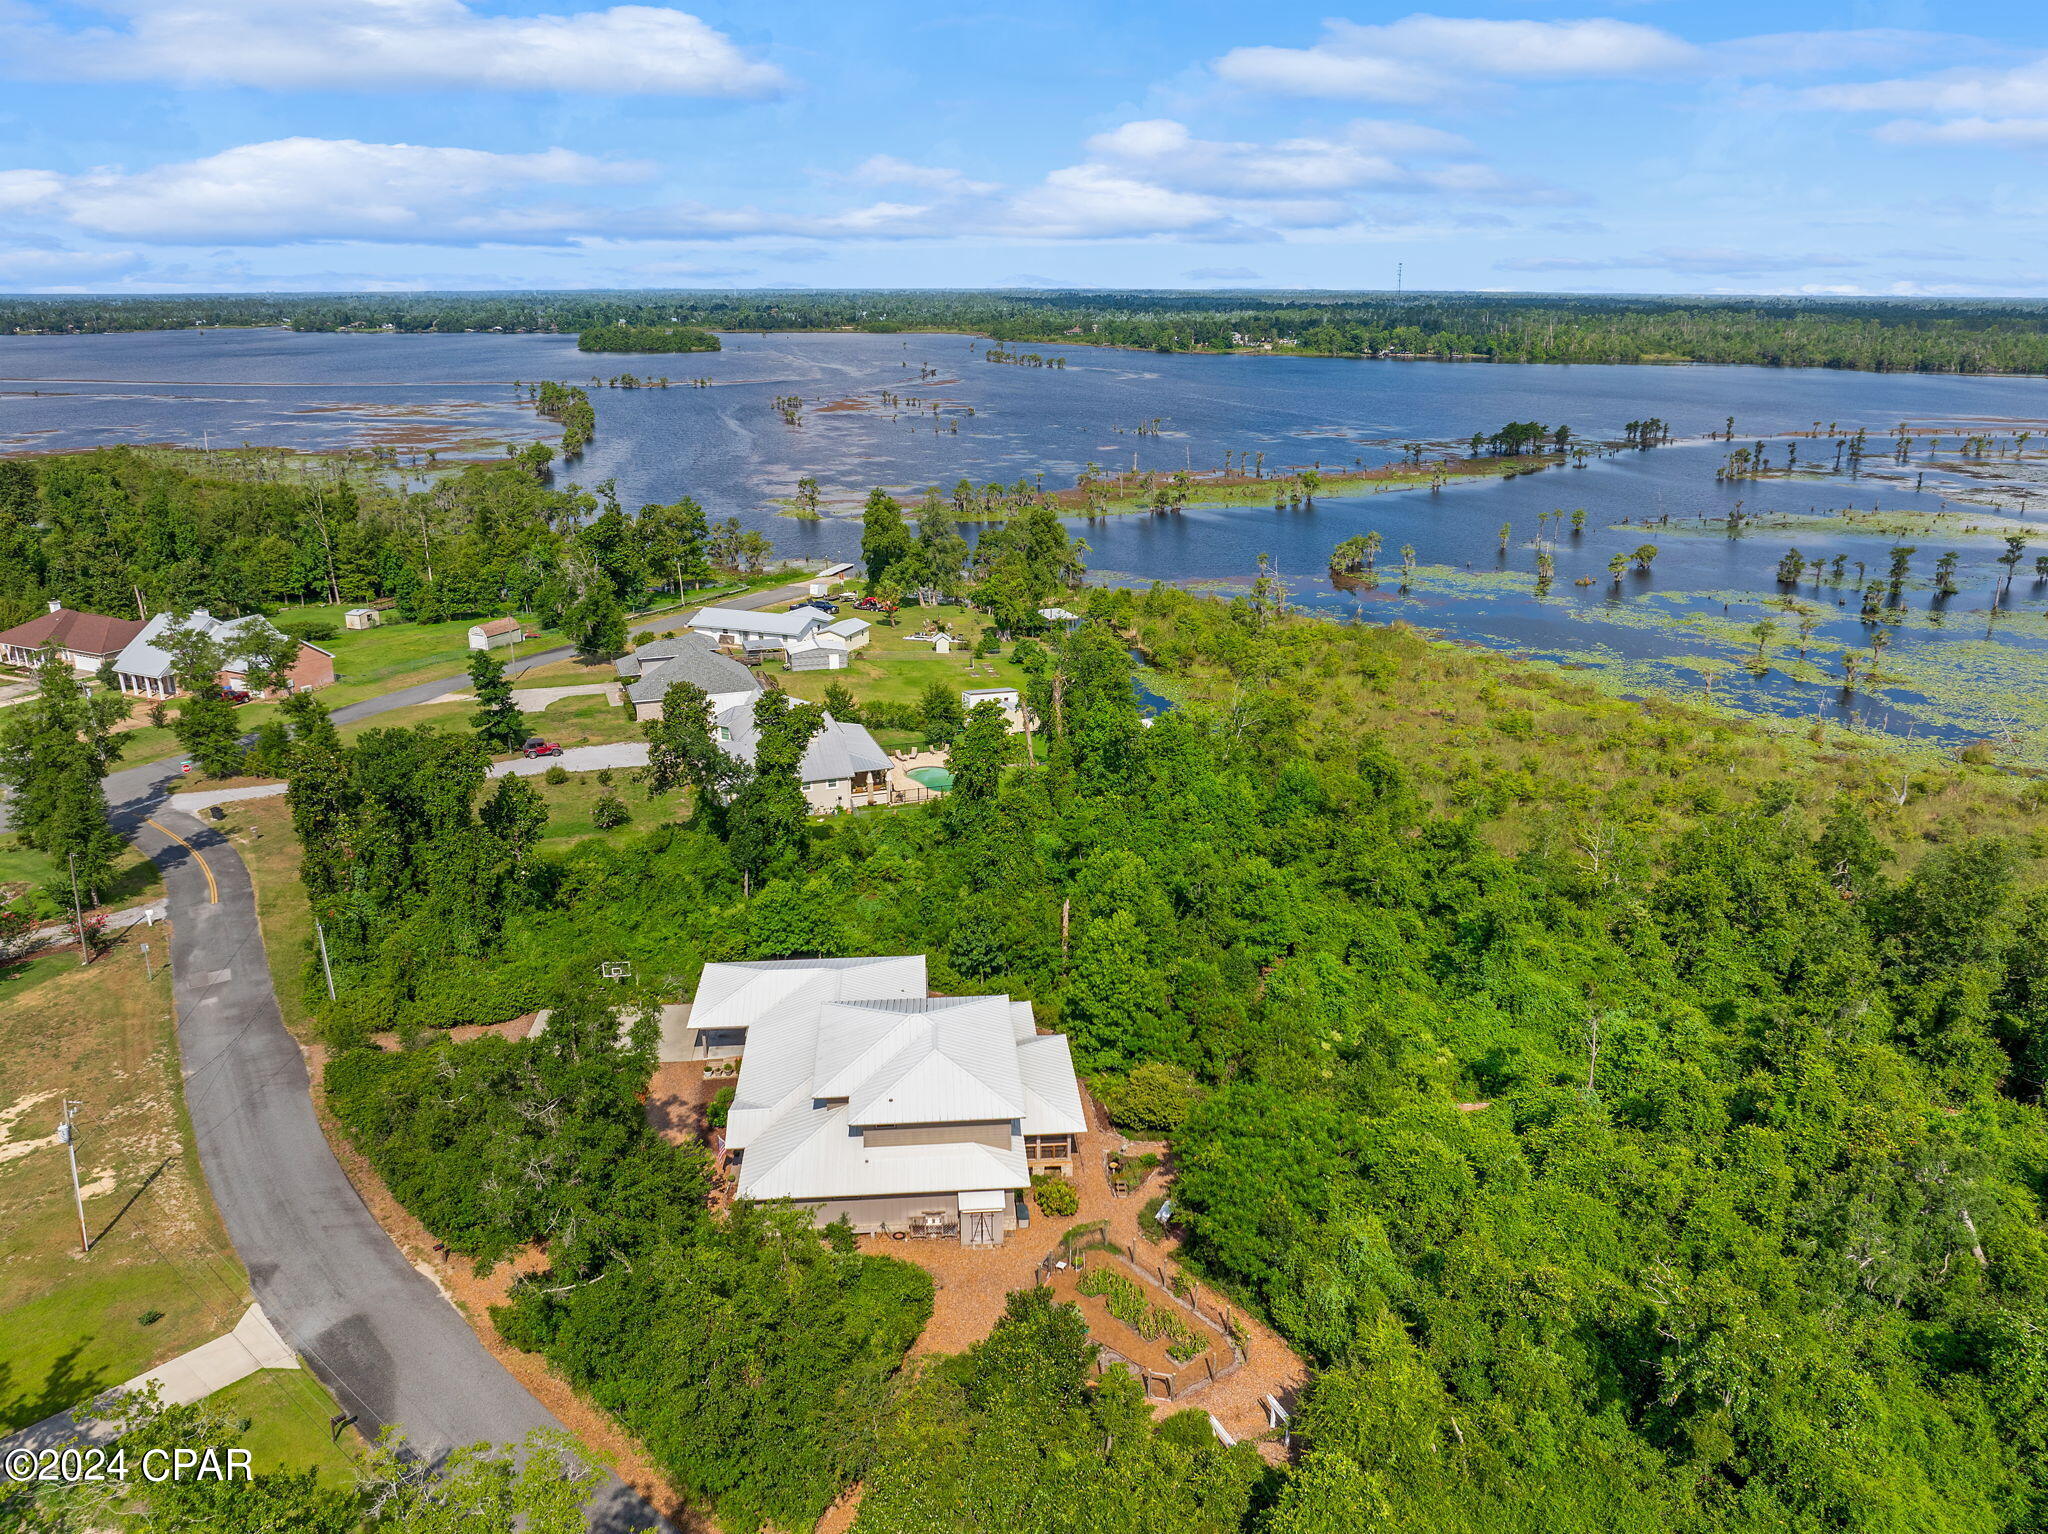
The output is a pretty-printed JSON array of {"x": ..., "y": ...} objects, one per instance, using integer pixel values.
[{"x": 377, "y": 1333}]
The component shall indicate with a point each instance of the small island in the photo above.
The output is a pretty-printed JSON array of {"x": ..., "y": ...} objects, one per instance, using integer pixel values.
[{"x": 646, "y": 338}]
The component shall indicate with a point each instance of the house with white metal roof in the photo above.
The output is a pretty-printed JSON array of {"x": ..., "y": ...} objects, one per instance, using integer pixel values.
[
  {"x": 737, "y": 626},
  {"x": 145, "y": 668},
  {"x": 1008, "y": 699},
  {"x": 861, "y": 1097},
  {"x": 828, "y": 648}
]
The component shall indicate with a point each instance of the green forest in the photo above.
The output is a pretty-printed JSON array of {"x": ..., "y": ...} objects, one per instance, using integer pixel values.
[
  {"x": 1656, "y": 1146},
  {"x": 1634, "y": 1119},
  {"x": 1872, "y": 334},
  {"x": 646, "y": 338},
  {"x": 102, "y": 531}
]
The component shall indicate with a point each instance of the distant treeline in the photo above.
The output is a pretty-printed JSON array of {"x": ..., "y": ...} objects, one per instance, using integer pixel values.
[
  {"x": 1945, "y": 336},
  {"x": 646, "y": 338}
]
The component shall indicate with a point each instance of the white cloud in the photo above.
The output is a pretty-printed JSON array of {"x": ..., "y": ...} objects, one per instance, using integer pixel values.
[
  {"x": 1423, "y": 57},
  {"x": 1966, "y": 130},
  {"x": 321, "y": 189},
  {"x": 1715, "y": 261},
  {"x": 76, "y": 270},
  {"x": 887, "y": 170},
  {"x": 1155, "y": 177},
  {"x": 389, "y": 45},
  {"x": 1359, "y": 156},
  {"x": 2017, "y": 92},
  {"x": 1966, "y": 107},
  {"x": 1098, "y": 202}
]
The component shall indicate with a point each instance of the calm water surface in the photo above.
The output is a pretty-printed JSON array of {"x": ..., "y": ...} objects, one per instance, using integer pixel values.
[{"x": 728, "y": 446}]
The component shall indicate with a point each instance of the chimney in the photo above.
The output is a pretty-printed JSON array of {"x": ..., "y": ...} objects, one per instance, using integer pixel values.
[{"x": 56, "y": 606}]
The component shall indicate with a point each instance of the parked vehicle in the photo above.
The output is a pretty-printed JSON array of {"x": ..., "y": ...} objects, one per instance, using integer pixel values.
[
  {"x": 535, "y": 746},
  {"x": 234, "y": 695},
  {"x": 821, "y": 604}
]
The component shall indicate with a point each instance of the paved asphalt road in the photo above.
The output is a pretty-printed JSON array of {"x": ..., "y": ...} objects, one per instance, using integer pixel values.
[
  {"x": 427, "y": 692},
  {"x": 377, "y": 1333}
]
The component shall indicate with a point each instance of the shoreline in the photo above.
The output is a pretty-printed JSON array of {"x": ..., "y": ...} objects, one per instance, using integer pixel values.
[
  {"x": 1272, "y": 350},
  {"x": 1139, "y": 494}
]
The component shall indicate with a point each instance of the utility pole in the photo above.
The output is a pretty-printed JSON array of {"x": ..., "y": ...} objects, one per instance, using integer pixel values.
[
  {"x": 69, "y": 1142},
  {"x": 325, "y": 968},
  {"x": 77, "y": 914}
]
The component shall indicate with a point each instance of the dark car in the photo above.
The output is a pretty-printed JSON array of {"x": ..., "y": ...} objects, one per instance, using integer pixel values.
[
  {"x": 234, "y": 695},
  {"x": 538, "y": 747},
  {"x": 822, "y": 605}
]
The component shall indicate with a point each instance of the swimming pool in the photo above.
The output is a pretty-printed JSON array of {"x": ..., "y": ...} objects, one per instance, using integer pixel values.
[{"x": 935, "y": 778}]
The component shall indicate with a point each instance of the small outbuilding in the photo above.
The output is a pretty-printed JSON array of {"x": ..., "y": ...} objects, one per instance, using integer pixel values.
[
  {"x": 829, "y": 579},
  {"x": 497, "y": 634},
  {"x": 360, "y": 618},
  {"x": 1005, "y": 698}
]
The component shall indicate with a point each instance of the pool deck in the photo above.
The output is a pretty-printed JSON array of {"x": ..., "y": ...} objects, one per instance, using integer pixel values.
[{"x": 903, "y": 788}]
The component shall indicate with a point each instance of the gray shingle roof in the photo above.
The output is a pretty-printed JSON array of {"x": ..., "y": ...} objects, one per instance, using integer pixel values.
[
  {"x": 685, "y": 658},
  {"x": 837, "y": 751}
]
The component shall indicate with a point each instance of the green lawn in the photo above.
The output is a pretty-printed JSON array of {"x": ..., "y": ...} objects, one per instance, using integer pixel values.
[
  {"x": 25, "y": 975},
  {"x": 584, "y": 721},
  {"x": 396, "y": 655},
  {"x": 288, "y": 1411},
  {"x": 891, "y": 669},
  {"x": 72, "y": 1325},
  {"x": 570, "y": 803},
  {"x": 261, "y": 830},
  {"x": 27, "y": 878},
  {"x": 395, "y": 647}
]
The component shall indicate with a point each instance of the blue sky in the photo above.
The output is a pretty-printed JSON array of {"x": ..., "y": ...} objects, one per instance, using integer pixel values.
[{"x": 1695, "y": 146}]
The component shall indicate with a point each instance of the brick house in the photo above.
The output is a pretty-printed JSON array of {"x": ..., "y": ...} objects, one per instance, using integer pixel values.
[
  {"x": 84, "y": 639},
  {"x": 145, "y": 670}
]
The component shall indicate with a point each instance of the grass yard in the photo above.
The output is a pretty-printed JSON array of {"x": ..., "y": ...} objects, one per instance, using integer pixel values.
[
  {"x": 396, "y": 655},
  {"x": 26, "y": 875},
  {"x": 891, "y": 669},
  {"x": 72, "y": 1325},
  {"x": 584, "y": 721},
  {"x": 395, "y": 647},
  {"x": 261, "y": 830},
  {"x": 287, "y": 1411},
  {"x": 570, "y": 805}
]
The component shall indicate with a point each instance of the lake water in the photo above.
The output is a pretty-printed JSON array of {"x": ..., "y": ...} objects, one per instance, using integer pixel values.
[{"x": 1677, "y": 628}]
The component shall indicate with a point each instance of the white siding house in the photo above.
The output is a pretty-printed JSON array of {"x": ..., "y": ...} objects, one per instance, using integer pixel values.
[{"x": 775, "y": 631}]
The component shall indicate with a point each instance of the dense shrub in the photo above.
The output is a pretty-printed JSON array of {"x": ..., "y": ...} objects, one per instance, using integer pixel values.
[{"x": 1055, "y": 1196}]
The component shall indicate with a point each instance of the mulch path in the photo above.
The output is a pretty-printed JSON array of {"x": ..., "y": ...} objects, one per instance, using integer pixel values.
[
  {"x": 679, "y": 1100},
  {"x": 972, "y": 1285}
]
